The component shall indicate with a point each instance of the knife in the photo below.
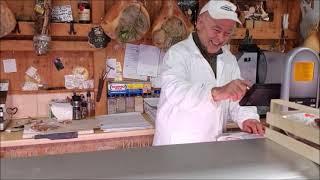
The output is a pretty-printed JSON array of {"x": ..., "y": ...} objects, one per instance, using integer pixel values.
[
  {"x": 53, "y": 136},
  {"x": 100, "y": 87}
]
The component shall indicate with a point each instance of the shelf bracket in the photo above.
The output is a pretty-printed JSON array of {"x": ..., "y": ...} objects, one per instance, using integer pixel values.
[
  {"x": 71, "y": 29},
  {"x": 17, "y": 28}
]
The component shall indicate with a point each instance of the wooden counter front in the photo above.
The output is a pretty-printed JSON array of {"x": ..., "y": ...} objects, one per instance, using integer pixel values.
[{"x": 12, "y": 145}]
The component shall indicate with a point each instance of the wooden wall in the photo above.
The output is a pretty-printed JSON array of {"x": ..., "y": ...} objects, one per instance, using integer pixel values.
[
  {"x": 74, "y": 50},
  {"x": 46, "y": 69}
]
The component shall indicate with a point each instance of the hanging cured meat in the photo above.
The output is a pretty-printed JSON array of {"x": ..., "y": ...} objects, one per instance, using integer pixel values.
[
  {"x": 126, "y": 21},
  {"x": 7, "y": 19},
  {"x": 171, "y": 26},
  {"x": 41, "y": 38}
]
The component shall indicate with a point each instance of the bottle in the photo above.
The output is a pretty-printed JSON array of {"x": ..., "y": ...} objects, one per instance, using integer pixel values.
[
  {"x": 90, "y": 105},
  {"x": 84, "y": 11},
  {"x": 157, "y": 93},
  {"x": 84, "y": 107},
  {"x": 76, "y": 107}
]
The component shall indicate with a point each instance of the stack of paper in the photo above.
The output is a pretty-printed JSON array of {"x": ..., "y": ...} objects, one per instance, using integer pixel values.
[
  {"x": 123, "y": 122},
  {"x": 141, "y": 61},
  {"x": 150, "y": 107},
  {"x": 238, "y": 136}
]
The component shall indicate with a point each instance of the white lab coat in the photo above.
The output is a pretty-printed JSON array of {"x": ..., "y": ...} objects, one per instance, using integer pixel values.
[{"x": 186, "y": 111}]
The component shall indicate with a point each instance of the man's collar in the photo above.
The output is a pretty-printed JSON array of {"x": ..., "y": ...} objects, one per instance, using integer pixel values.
[{"x": 202, "y": 49}]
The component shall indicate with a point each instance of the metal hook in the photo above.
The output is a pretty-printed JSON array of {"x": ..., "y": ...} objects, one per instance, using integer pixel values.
[
  {"x": 71, "y": 30},
  {"x": 16, "y": 28}
]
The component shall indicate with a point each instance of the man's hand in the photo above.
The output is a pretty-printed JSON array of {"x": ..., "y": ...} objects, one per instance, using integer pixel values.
[
  {"x": 253, "y": 126},
  {"x": 234, "y": 90}
]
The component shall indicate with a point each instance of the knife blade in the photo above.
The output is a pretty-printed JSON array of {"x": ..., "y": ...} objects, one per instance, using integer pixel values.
[{"x": 53, "y": 136}]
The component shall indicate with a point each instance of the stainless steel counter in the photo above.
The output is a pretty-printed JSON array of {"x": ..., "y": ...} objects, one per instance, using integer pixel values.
[{"x": 255, "y": 159}]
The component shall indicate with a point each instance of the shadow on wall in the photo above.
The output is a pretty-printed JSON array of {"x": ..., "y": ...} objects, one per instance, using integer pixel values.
[{"x": 33, "y": 105}]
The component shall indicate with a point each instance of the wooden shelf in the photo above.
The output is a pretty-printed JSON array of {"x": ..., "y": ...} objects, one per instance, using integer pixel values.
[
  {"x": 49, "y": 91},
  {"x": 56, "y": 29},
  {"x": 263, "y": 34},
  {"x": 27, "y": 45},
  {"x": 82, "y": 30}
]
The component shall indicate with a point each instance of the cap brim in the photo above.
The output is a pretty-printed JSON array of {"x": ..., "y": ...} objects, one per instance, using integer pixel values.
[{"x": 216, "y": 16}]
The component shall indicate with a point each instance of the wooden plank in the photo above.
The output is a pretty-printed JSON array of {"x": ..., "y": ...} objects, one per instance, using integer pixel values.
[
  {"x": 297, "y": 128},
  {"x": 27, "y": 45},
  {"x": 98, "y": 11},
  {"x": 96, "y": 136},
  {"x": 262, "y": 33},
  {"x": 62, "y": 29},
  {"x": 270, "y": 30},
  {"x": 99, "y": 58},
  {"x": 77, "y": 147},
  {"x": 276, "y": 8},
  {"x": 56, "y": 29},
  {"x": 46, "y": 69},
  {"x": 50, "y": 91},
  {"x": 108, "y": 4},
  {"x": 294, "y": 14},
  {"x": 82, "y": 30},
  {"x": 309, "y": 152},
  {"x": 276, "y": 103}
]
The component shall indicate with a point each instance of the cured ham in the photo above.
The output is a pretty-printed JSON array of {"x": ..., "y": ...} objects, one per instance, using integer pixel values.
[
  {"x": 7, "y": 19},
  {"x": 171, "y": 26},
  {"x": 126, "y": 21}
]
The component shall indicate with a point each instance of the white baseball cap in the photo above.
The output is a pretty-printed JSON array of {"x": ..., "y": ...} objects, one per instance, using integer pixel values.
[{"x": 221, "y": 9}]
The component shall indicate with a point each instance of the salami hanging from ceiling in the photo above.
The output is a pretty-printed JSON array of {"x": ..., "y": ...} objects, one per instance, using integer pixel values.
[
  {"x": 126, "y": 21},
  {"x": 171, "y": 26}
]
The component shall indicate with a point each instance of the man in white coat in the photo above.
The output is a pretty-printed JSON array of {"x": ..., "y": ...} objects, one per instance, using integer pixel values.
[{"x": 201, "y": 84}]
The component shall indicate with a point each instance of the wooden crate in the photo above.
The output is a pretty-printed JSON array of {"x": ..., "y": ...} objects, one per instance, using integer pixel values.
[{"x": 302, "y": 139}]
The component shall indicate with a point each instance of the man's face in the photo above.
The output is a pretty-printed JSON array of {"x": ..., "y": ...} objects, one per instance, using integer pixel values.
[{"x": 214, "y": 33}]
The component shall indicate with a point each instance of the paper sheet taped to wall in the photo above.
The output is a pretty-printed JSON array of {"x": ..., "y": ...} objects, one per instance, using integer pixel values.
[{"x": 303, "y": 71}]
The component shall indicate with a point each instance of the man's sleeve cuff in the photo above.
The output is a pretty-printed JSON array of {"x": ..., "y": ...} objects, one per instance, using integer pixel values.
[{"x": 215, "y": 103}]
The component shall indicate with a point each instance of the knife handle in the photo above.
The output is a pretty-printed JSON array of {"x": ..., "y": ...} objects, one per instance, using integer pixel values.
[{"x": 100, "y": 87}]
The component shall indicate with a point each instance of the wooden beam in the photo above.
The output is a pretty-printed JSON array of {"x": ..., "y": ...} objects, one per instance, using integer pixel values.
[
  {"x": 98, "y": 11},
  {"x": 99, "y": 60},
  {"x": 27, "y": 45},
  {"x": 240, "y": 33},
  {"x": 56, "y": 29},
  {"x": 276, "y": 105},
  {"x": 82, "y": 30},
  {"x": 19, "y": 141}
]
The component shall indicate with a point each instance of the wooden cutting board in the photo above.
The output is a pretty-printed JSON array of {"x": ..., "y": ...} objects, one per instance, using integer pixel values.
[{"x": 79, "y": 126}]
